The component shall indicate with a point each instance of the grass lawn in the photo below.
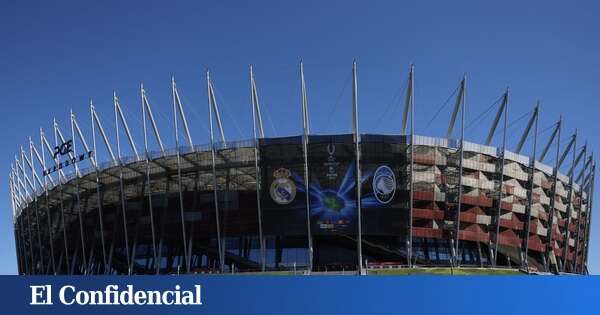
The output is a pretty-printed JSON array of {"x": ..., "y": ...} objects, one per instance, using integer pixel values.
[
  {"x": 441, "y": 271},
  {"x": 268, "y": 273},
  {"x": 444, "y": 271}
]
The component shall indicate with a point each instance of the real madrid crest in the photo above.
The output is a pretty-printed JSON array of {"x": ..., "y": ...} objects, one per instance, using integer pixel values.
[{"x": 283, "y": 189}]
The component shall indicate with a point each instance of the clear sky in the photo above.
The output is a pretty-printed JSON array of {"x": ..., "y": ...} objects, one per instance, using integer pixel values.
[{"x": 56, "y": 57}]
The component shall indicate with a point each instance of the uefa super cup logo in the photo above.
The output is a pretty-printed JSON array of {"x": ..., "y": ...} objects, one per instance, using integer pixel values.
[
  {"x": 331, "y": 163},
  {"x": 283, "y": 189},
  {"x": 384, "y": 184}
]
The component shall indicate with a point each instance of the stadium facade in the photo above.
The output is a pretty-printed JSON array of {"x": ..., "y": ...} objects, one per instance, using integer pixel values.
[{"x": 307, "y": 202}]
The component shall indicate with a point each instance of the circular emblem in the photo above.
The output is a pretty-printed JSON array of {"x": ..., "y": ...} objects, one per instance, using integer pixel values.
[
  {"x": 283, "y": 189},
  {"x": 384, "y": 184}
]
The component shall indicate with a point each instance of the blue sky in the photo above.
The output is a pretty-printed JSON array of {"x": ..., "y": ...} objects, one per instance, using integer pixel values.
[{"x": 55, "y": 58}]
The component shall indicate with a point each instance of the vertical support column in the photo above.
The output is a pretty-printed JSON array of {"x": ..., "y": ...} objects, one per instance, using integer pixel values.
[
  {"x": 19, "y": 221},
  {"x": 26, "y": 209},
  {"x": 15, "y": 218},
  {"x": 77, "y": 195},
  {"x": 575, "y": 259},
  {"x": 50, "y": 231},
  {"x": 122, "y": 194},
  {"x": 32, "y": 184},
  {"x": 37, "y": 227},
  {"x": 146, "y": 110},
  {"x": 148, "y": 183},
  {"x": 261, "y": 239},
  {"x": 99, "y": 192},
  {"x": 501, "y": 181},
  {"x": 162, "y": 232},
  {"x": 56, "y": 160},
  {"x": 64, "y": 226},
  {"x": 409, "y": 240},
  {"x": 92, "y": 248},
  {"x": 409, "y": 110},
  {"x": 460, "y": 171},
  {"x": 151, "y": 208},
  {"x": 214, "y": 173},
  {"x": 551, "y": 218},
  {"x": 81, "y": 229},
  {"x": 216, "y": 204},
  {"x": 44, "y": 186},
  {"x": 569, "y": 207},
  {"x": 255, "y": 115},
  {"x": 306, "y": 132},
  {"x": 358, "y": 178},
  {"x": 588, "y": 185},
  {"x": 147, "y": 189},
  {"x": 25, "y": 161},
  {"x": 178, "y": 153},
  {"x": 525, "y": 260},
  {"x": 589, "y": 224},
  {"x": 190, "y": 254},
  {"x": 550, "y": 235}
]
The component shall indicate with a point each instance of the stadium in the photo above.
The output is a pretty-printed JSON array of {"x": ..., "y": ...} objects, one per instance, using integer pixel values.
[{"x": 308, "y": 203}]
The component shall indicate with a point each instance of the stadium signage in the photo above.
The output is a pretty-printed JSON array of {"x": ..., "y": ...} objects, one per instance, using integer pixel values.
[
  {"x": 115, "y": 295},
  {"x": 66, "y": 148},
  {"x": 331, "y": 163}
]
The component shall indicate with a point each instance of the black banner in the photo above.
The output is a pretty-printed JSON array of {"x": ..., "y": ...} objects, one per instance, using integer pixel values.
[
  {"x": 332, "y": 184},
  {"x": 283, "y": 199},
  {"x": 384, "y": 168}
]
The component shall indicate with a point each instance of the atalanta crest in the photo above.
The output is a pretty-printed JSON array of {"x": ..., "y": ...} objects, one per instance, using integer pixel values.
[{"x": 384, "y": 184}]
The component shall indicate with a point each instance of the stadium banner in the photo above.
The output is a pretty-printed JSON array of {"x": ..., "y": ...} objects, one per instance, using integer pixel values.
[
  {"x": 332, "y": 177},
  {"x": 206, "y": 294},
  {"x": 332, "y": 163},
  {"x": 283, "y": 198},
  {"x": 384, "y": 192}
]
